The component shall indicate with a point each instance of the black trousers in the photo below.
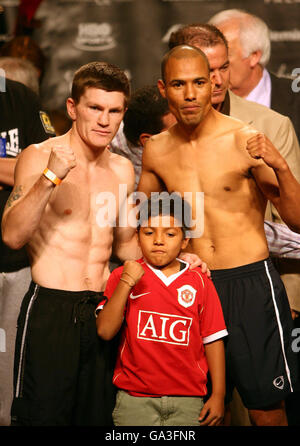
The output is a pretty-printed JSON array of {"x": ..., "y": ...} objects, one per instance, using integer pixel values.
[{"x": 63, "y": 371}]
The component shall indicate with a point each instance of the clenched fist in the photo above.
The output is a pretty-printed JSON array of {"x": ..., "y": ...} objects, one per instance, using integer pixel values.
[
  {"x": 132, "y": 271},
  {"x": 259, "y": 146},
  {"x": 61, "y": 160}
]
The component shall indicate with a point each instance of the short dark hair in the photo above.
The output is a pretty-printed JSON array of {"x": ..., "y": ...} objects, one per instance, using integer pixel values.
[
  {"x": 102, "y": 75},
  {"x": 145, "y": 111},
  {"x": 197, "y": 33},
  {"x": 163, "y": 203}
]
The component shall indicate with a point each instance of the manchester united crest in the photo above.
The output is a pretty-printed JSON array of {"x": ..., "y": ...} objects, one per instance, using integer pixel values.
[{"x": 186, "y": 295}]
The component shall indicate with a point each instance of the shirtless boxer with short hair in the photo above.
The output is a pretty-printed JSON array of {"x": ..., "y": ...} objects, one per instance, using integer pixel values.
[
  {"x": 238, "y": 170},
  {"x": 63, "y": 372},
  {"x": 53, "y": 212}
]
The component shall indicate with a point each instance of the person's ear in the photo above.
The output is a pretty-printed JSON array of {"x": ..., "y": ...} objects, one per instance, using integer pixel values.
[
  {"x": 143, "y": 138},
  {"x": 71, "y": 108},
  {"x": 184, "y": 243},
  {"x": 162, "y": 88},
  {"x": 255, "y": 58}
]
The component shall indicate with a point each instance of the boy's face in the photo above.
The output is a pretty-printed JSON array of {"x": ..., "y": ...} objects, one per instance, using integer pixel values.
[{"x": 161, "y": 241}]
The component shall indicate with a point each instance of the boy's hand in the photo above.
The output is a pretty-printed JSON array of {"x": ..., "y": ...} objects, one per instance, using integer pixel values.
[
  {"x": 194, "y": 261},
  {"x": 133, "y": 270},
  {"x": 212, "y": 412}
]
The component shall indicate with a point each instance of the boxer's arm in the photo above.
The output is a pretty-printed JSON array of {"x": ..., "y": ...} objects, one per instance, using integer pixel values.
[
  {"x": 27, "y": 201},
  {"x": 30, "y": 194},
  {"x": 125, "y": 245},
  {"x": 125, "y": 241},
  {"x": 7, "y": 167},
  {"x": 275, "y": 179},
  {"x": 149, "y": 180}
]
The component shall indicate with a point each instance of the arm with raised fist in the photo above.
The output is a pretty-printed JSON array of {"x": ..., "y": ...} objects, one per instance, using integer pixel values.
[
  {"x": 110, "y": 318},
  {"x": 275, "y": 179},
  {"x": 37, "y": 173}
]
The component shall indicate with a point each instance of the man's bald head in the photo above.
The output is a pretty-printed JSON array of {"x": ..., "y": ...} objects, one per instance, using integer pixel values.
[{"x": 182, "y": 52}]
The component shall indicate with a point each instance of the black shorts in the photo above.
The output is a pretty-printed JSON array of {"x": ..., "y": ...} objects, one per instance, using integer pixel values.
[
  {"x": 63, "y": 370},
  {"x": 260, "y": 362}
]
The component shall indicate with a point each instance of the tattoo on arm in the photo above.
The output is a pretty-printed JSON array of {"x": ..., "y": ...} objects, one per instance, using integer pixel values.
[{"x": 15, "y": 195}]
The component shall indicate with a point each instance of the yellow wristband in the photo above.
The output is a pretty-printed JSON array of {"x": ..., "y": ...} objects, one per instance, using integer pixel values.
[{"x": 52, "y": 177}]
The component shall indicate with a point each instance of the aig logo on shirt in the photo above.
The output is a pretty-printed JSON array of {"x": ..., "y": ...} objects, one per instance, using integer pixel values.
[{"x": 167, "y": 328}]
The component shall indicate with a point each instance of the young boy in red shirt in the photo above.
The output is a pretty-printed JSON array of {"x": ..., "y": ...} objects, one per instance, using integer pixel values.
[{"x": 172, "y": 328}]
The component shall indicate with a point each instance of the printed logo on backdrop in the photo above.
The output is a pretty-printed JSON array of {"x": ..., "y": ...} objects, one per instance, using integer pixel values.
[
  {"x": 282, "y": 71},
  {"x": 283, "y": 1},
  {"x": 12, "y": 141},
  {"x": 94, "y": 37},
  {"x": 291, "y": 35}
]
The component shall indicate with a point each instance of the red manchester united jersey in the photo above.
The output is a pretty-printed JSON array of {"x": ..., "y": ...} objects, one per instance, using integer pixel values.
[{"x": 167, "y": 322}]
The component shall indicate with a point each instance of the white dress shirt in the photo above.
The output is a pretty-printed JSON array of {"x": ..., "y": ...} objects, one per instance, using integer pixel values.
[{"x": 262, "y": 92}]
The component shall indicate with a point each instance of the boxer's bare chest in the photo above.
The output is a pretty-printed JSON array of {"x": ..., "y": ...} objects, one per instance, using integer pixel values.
[
  {"x": 216, "y": 169},
  {"x": 83, "y": 193}
]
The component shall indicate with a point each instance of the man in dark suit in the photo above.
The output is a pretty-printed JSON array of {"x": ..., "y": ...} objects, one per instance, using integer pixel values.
[{"x": 288, "y": 103}]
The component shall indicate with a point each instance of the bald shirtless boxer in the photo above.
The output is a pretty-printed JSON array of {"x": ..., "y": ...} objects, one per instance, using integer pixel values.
[
  {"x": 52, "y": 210},
  {"x": 238, "y": 170}
]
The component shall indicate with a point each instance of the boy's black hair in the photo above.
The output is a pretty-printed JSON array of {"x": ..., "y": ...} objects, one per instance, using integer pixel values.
[
  {"x": 145, "y": 113},
  {"x": 166, "y": 204}
]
